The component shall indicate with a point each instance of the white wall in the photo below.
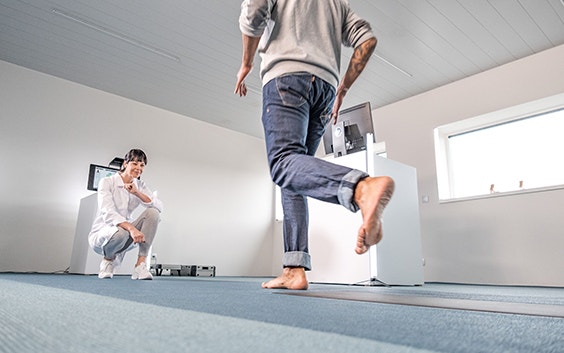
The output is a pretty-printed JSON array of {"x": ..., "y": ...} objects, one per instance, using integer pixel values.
[
  {"x": 48, "y": 137},
  {"x": 214, "y": 182},
  {"x": 507, "y": 240}
]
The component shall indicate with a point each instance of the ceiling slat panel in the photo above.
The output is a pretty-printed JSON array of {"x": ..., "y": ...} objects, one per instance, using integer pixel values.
[
  {"x": 447, "y": 30},
  {"x": 476, "y": 33},
  {"x": 546, "y": 18},
  {"x": 492, "y": 21},
  {"x": 558, "y": 7},
  {"x": 436, "y": 41},
  {"x": 408, "y": 34},
  {"x": 516, "y": 16}
]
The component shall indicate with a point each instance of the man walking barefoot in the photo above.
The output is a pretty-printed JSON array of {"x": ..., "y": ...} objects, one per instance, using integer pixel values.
[{"x": 300, "y": 45}]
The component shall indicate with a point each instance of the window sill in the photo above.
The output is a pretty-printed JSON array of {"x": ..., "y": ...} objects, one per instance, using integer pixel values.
[{"x": 503, "y": 194}]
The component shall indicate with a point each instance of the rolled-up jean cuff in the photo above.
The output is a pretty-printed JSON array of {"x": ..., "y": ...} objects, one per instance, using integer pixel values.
[
  {"x": 297, "y": 259},
  {"x": 346, "y": 189}
]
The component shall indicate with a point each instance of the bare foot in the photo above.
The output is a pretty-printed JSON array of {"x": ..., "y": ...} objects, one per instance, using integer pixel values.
[
  {"x": 291, "y": 278},
  {"x": 372, "y": 195}
]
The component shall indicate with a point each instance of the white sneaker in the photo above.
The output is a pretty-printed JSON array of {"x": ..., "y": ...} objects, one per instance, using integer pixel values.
[
  {"x": 106, "y": 269},
  {"x": 141, "y": 272}
]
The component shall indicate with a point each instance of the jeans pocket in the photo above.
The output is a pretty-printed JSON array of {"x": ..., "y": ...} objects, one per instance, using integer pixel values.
[
  {"x": 326, "y": 115},
  {"x": 294, "y": 89}
]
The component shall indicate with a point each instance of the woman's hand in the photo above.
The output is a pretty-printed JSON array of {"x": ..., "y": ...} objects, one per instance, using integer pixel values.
[
  {"x": 134, "y": 233},
  {"x": 137, "y": 236},
  {"x": 131, "y": 188}
]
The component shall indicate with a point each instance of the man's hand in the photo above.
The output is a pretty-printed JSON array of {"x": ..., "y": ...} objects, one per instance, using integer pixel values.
[
  {"x": 250, "y": 45},
  {"x": 358, "y": 62},
  {"x": 241, "y": 87},
  {"x": 339, "y": 97}
]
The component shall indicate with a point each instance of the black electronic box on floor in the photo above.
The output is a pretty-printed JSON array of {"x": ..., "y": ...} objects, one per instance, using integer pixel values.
[{"x": 184, "y": 270}]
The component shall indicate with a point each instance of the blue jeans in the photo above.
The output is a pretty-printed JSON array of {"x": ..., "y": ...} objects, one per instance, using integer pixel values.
[
  {"x": 296, "y": 109},
  {"x": 121, "y": 241}
]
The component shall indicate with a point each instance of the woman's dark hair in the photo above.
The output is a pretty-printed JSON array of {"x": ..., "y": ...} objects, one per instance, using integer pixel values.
[{"x": 134, "y": 155}]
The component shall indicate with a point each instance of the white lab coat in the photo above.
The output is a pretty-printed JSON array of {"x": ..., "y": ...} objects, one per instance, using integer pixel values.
[{"x": 116, "y": 205}]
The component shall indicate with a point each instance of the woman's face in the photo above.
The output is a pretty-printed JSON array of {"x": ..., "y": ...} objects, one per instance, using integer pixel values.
[{"x": 134, "y": 168}]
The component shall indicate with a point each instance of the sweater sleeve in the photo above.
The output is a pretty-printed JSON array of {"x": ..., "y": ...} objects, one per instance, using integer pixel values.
[
  {"x": 356, "y": 30},
  {"x": 254, "y": 16}
]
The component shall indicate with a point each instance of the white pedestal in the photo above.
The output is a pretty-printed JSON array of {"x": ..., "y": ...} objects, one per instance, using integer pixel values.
[
  {"x": 84, "y": 260},
  {"x": 396, "y": 260}
]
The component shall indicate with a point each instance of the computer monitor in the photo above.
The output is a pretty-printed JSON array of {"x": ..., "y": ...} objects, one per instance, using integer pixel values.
[
  {"x": 96, "y": 173},
  {"x": 349, "y": 134}
]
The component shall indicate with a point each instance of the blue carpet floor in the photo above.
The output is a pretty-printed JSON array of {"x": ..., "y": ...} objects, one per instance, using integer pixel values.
[{"x": 74, "y": 313}]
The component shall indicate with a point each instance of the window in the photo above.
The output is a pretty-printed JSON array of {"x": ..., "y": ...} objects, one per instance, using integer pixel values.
[{"x": 517, "y": 149}]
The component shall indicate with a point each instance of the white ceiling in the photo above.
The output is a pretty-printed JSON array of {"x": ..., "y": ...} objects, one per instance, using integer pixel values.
[{"x": 435, "y": 41}]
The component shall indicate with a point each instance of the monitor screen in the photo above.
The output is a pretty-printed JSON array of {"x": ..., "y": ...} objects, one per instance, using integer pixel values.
[
  {"x": 96, "y": 173},
  {"x": 349, "y": 135}
]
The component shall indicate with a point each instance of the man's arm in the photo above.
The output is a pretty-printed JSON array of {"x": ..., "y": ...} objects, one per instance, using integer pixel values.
[
  {"x": 358, "y": 62},
  {"x": 250, "y": 45}
]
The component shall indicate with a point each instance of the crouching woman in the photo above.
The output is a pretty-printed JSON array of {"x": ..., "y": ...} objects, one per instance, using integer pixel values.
[{"x": 114, "y": 231}]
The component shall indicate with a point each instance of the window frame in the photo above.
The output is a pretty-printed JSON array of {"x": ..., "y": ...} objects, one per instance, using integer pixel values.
[{"x": 443, "y": 158}]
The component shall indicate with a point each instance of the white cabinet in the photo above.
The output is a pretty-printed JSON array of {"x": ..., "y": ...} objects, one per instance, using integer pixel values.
[{"x": 396, "y": 260}]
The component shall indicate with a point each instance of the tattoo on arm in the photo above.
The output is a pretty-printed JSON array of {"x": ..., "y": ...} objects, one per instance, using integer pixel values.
[
  {"x": 361, "y": 56},
  {"x": 358, "y": 62}
]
